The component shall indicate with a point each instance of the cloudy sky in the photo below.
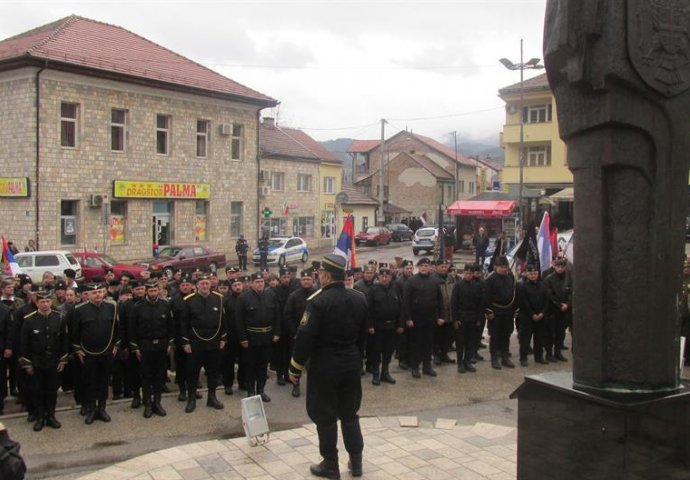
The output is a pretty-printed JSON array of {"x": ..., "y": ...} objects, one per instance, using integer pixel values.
[{"x": 338, "y": 66}]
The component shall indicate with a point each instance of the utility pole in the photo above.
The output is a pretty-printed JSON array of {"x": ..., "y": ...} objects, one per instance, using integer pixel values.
[
  {"x": 382, "y": 169},
  {"x": 457, "y": 167}
]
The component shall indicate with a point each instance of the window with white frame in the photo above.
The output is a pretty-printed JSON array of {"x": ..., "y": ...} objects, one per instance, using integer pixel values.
[
  {"x": 69, "y": 116},
  {"x": 303, "y": 227},
  {"x": 277, "y": 181},
  {"x": 303, "y": 182},
  {"x": 118, "y": 129},
  {"x": 163, "y": 134},
  {"x": 236, "y": 221},
  {"x": 536, "y": 113},
  {"x": 202, "y": 131},
  {"x": 328, "y": 184},
  {"x": 236, "y": 142},
  {"x": 537, "y": 155}
]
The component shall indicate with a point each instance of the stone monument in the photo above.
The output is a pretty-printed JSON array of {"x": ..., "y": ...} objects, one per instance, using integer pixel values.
[{"x": 620, "y": 72}]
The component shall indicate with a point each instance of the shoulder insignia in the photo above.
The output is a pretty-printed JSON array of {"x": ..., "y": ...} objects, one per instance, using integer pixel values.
[
  {"x": 30, "y": 314},
  {"x": 219, "y": 294},
  {"x": 189, "y": 296},
  {"x": 80, "y": 305},
  {"x": 313, "y": 295},
  {"x": 305, "y": 318}
]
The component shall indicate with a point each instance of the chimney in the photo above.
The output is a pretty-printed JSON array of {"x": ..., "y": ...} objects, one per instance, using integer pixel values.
[{"x": 269, "y": 122}]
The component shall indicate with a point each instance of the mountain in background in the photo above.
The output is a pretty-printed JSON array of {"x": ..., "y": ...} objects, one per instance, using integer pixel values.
[{"x": 481, "y": 148}]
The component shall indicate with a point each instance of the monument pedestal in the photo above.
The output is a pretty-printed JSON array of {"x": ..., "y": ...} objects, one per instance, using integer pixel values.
[{"x": 572, "y": 434}]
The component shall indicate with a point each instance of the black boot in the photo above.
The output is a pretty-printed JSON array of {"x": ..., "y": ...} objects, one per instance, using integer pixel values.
[
  {"x": 296, "y": 391},
  {"x": 51, "y": 421},
  {"x": 469, "y": 367},
  {"x": 157, "y": 407},
  {"x": 376, "y": 377},
  {"x": 148, "y": 407},
  {"x": 427, "y": 370},
  {"x": 386, "y": 376},
  {"x": 40, "y": 421},
  {"x": 506, "y": 361},
  {"x": 264, "y": 397},
  {"x": 191, "y": 402},
  {"x": 101, "y": 413},
  {"x": 212, "y": 401},
  {"x": 182, "y": 396},
  {"x": 355, "y": 465},
  {"x": 90, "y": 414},
  {"x": 228, "y": 390},
  {"x": 326, "y": 469},
  {"x": 461, "y": 368},
  {"x": 136, "y": 399},
  {"x": 495, "y": 363}
]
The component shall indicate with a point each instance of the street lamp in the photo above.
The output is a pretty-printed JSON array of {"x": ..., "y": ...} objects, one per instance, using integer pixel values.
[{"x": 531, "y": 64}]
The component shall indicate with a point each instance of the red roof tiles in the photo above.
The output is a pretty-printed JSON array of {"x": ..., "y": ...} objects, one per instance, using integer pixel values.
[
  {"x": 289, "y": 142},
  {"x": 86, "y": 43},
  {"x": 540, "y": 82}
]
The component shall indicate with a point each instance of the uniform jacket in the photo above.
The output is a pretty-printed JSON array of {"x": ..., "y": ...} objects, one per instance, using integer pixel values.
[
  {"x": 257, "y": 317},
  {"x": 16, "y": 326},
  {"x": 500, "y": 293},
  {"x": 560, "y": 289},
  {"x": 422, "y": 299},
  {"x": 241, "y": 247},
  {"x": 203, "y": 322},
  {"x": 44, "y": 341},
  {"x": 95, "y": 328},
  {"x": 445, "y": 284},
  {"x": 467, "y": 301},
  {"x": 533, "y": 299},
  {"x": 151, "y": 326},
  {"x": 363, "y": 286},
  {"x": 294, "y": 309},
  {"x": 5, "y": 325},
  {"x": 385, "y": 307},
  {"x": 229, "y": 304}
]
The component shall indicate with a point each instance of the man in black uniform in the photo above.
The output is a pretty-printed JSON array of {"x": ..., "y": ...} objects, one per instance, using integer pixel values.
[
  {"x": 9, "y": 360},
  {"x": 422, "y": 302},
  {"x": 331, "y": 335},
  {"x": 294, "y": 309},
  {"x": 560, "y": 291},
  {"x": 263, "y": 253},
  {"x": 44, "y": 346},
  {"x": 281, "y": 350},
  {"x": 241, "y": 248},
  {"x": 467, "y": 301},
  {"x": 151, "y": 337},
  {"x": 181, "y": 358},
  {"x": 385, "y": 320},
  {"x": 258, "y": 328},
  {"x": 22, "y": 381},
  {"x": 131, "y": 364},
  {"x": 402, "y": 340},
  {"x": 443, "y": 335},
  {"x": 204, "y": 333},
  {"x": 231, "y": 352},
  {"x": 533, "y": 305},
  {"x": 499, "y": 301},
  {"x": 95, "y": 341}
]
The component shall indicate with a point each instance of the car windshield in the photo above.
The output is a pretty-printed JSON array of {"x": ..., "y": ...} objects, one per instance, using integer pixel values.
[
  {"x": 425, "y": 232},
  {"x": 372, "y": 230},
  {"x": 109, "y": 260},
  {"x": 276, "y": 242},
  {"x": 169, "y": 252}
]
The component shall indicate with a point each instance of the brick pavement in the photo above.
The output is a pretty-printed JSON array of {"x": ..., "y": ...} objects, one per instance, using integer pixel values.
[{"x": 423, "y": 450}]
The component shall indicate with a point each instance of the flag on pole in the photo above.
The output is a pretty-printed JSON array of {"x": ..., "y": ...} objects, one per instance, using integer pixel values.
[
  {"x": 528, "y": 251},
  {"x": 10, "y": 266},
  {"x": 423, "y": 219},
  {"x": 544, "y": 243},
  {"x": 286, "y": 208},
  {"x": 346, "y": 243}
]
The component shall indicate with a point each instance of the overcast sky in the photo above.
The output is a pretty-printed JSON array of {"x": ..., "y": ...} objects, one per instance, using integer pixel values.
[{"x": 336, "y": 66}]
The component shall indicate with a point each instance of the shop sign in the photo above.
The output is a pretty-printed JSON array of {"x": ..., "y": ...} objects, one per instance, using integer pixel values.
[
  {"x": 134, "y": 189},
  {"x": 14, "y": 187}
]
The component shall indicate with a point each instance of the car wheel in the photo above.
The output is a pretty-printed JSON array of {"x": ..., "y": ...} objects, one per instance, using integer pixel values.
[
  {"x": 213, "y": 268},
  {"x": 415, "y": 252},
  {"x": 168, "y": 273},
  {"x": 281, "y": 261},
  {"x": 305, "y": 257}
]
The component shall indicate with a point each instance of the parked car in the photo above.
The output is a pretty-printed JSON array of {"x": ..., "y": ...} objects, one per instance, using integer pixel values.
[
  {"x": 93, "y": 264},
  {"x": 425, "y": 239},
  {"x": 374, "y": 236},
  {"x": 35, "y": 264},
  {"x": 188, "y": 258},
  {"x": 283, "y": 250},
  {"x": 400, "y": 232}
]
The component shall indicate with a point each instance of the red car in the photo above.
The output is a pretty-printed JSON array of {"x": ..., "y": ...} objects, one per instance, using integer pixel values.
[
  {"x": 188, "y": 258},
  {"x": 374, "y": 236},
  {"x": 93, "y": 264}
]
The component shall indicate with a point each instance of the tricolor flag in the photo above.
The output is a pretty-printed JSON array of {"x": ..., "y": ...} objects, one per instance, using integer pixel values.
[
  {"x": 346, "y": 243},
  {"x": 286, "y": 208},
  {"x": 544, "y": 243},
  {"x": 10, "y": 266}
]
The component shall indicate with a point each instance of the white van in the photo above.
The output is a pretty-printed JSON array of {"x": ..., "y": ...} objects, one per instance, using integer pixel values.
[{"x": 35, "y": 264}]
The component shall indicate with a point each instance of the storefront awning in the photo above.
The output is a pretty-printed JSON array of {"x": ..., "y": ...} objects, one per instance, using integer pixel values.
[
  {"x": 565, "y": 195},
  {"x": 482, "y": 208}
]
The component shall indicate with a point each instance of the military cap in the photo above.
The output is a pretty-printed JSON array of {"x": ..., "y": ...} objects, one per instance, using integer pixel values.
[
  {"x": 256, "y": 276},
  {"x": 334, "y": 263},
  {"x": 476, "y": 267},
  {"x": 305, "y": 273},
  {"x": 315, "y": 265},
  {"x": 92, "y": 286},
  {"x": 246, "y": 278},
  {"x": 383, "y": 265},
  {"x": 531, "y": 268},
  {"x": 356, "y": 270},
  {"x": 151, "y": 283},
  {"x": 349, "y": 272},
  {"x": 108, "y": 269},
  {"x": 126, "y": 289},
  {"x": 61, "y": 286},
  {"x": 186, "y": 279},
  {"x": 203, "y": 276},
  {"x": 113, "y": 283},
  {"x": 469, "y": 267},
  {"x": 234, "y": 281},
  {"x": 372, "y": 262},
  {"x": 70, "y": 273},
  {"x": 231, "y": 269},
  {"x": 284, "y": 271},
  {"x": 560, "y": 262},
  {"x": 23, "y": 280},
  {"x": 439, "y": 261},
  {"x": 384, "y": 271},
  {"x": 42, "y": 294},
  {"x": 407, "y": 263},
  {"x": 501, "y": 261},
  {"x": 155, "y": 275},
  {"x": 134, "y": 283},
  {"x": 423, "y": 261}
]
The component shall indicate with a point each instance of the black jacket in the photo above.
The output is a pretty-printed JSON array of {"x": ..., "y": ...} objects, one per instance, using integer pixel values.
[
  {"x": 257, "y": 317},
  {"x": 533, "y": 299},
  {"x": 385, "y": 307},
  {"x": 500, "y": 293},
  {"x": 151, "y": 326},
  {"x": 95, "y": 328},
  {"x": 422, "y": 299},
  {"x": 294, "y": 309},
  {"x": 560, "y": 289},
  {"x": 203, "y": 323},
  {"x": 43, "y": 340},
  {"x": 467, "y": 302}
]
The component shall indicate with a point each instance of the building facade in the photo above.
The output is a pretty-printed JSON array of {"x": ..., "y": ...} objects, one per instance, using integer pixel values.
[{"x": 117, "y": 155}]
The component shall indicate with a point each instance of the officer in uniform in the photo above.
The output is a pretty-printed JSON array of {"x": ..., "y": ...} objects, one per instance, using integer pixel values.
[
  {"x": 151, "y": 338},
  {"x": 331, "y": 335},
  {"x": 231, "y": 352},
  {"x": 466, "y": 303},
  {"x": 258, "y": 328},
  {"x": 560, "y": 290},
  {"x": 294, "y": 309},
  {"x": 95, "y": 341},
  {"x": 422, "y": 302},
  {"x": 131, "y": 364},
  {"x": 533, "y": 305},
  {"x": 384, "y": 322},
  {"x": 177, "y": 308},
  {"x": 204, "y": 333},
  {"x": 402, "y": 347},
  {"x": 281, "y": 350},
  {"x": 44, "y": 346},
  {"x": 443, "y": 336},
  {"x": 8, "y": 361},
  {"x": 499, "y": 294},
  {"x": 241, "y": 248},
  {"x": 263, "y": 253}
]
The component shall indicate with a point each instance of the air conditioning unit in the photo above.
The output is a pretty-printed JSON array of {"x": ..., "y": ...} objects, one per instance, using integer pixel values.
[
  {"x": 265, "y": 191},
  {"x": 95, "y": 201},
  {"x": 225, "y": 129}
]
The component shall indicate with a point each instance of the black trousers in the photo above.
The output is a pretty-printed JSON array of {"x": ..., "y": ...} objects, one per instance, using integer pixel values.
[
  {"x": 181, "y": 360},
  {"x": 384, "y": 342},
  {"x": 96, "y": 371},
  {"x": 3, "y": 377},
  {"x": 243, "y": 261},
  {"x": 133, "y": 374},
  {"x": 154, "y": 369},
  {"x": 230, "y": 357},
  {"x": 558, "y": 323},
  {"x": 263, "y": 260},
  {"x": 210, "y": 360},
  {"x": 402, "y": 347},
  {"x": 443, "y": 339},
  {"x": 43, "y": 386},
  {"x": 119, "y": 378},
  {"x": 421, "y": 342},
  {"x": 256, "y": 366},
  {"x": 77, "y": 372},
  {"x": 500, "y": 330},
  {"x": 466, "y": 339},
  {"x": 335, "y": 393},
  {"x": 281, "y": 355}
]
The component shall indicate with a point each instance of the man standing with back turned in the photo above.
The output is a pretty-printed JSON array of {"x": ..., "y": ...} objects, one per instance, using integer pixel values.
[{"x": 332, "y": 333}]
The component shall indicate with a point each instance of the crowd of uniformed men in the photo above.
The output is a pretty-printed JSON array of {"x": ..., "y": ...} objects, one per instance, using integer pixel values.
[{"x": 123, "y": 335}]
